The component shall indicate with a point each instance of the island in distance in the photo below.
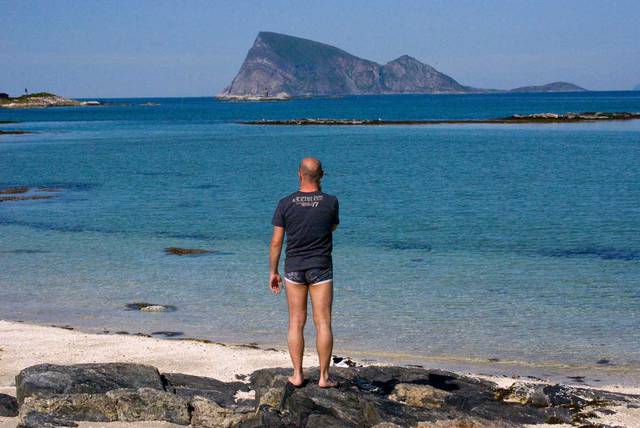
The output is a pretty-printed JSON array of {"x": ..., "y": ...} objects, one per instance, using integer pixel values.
[{"x": 279, "y": 67}]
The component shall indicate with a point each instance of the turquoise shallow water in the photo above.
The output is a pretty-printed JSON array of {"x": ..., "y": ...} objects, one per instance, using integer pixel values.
[{"x": 517, "y": 242}]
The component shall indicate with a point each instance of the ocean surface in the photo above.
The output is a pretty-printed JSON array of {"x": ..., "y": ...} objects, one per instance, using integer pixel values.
[{"x": 465, "y": 242}]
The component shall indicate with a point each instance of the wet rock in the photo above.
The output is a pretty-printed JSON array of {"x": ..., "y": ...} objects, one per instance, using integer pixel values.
[
  {"x": 8, "y": 406},
  {"x": 419, "y": 395},
  {"x": 188, "y": 386},
  {"x": 149, "y": 404},
  {"x": 78, "y": 407},
  {"x": 149, "y": 307},
  {"x": 50, "y": 379},
  {"x": 208, "y": 414},
  {"x": 186, "y": 251}
]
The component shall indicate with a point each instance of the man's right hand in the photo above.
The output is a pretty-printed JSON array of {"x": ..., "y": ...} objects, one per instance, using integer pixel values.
[{"x": 274, "y": 282}]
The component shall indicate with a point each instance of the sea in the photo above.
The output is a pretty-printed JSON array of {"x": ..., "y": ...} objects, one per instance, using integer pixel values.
[{"x": 500, "y": 244}]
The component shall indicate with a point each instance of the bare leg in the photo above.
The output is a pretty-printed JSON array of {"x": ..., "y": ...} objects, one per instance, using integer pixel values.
[
  {"x": 297, "y": 299},
  {"x": 321, "y": 300}
]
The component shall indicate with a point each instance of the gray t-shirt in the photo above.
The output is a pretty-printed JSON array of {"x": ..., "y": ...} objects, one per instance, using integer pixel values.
[{"x": 308, "y": 219}]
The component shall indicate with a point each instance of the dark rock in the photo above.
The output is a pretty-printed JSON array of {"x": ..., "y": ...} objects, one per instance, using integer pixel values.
[
  {"x": 150, "y": 404},
  {"x": 50, "y": 379},
  {"x": 186, "y": 251},
  {"x": 188, "y": 386},
  {"x": 149, "y": 307},
  {"x": 404, "y": 396},
  {"x": 376, "y": 396},
  {"x": 8, "y": 405}
]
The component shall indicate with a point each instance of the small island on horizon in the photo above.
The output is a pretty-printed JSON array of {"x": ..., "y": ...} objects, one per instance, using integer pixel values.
[
  {"x": 41, "y": 100},
  {"x": 279, "y": 67}
]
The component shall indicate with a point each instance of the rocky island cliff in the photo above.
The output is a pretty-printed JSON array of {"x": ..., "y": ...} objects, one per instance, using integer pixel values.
[{"x": 279, "y": 66}]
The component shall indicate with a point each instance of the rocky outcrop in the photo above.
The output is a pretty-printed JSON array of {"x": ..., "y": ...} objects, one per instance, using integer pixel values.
[
  {"x": 380, "y": 397},
  {"x": 516, "y": 118},
  {"x": 551, "y": 87}
]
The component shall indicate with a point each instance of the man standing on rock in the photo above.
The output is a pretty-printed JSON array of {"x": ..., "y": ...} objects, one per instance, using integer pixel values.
[{"x": 308, "y": 217}]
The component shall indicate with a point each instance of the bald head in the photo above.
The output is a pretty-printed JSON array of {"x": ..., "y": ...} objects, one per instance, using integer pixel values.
[{"x": 310, "y": 170}]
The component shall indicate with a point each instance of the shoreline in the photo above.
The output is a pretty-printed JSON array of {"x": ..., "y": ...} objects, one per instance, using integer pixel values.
[
  {"x": 24, "y": 345},
  {"x": 251, "y": 356}
]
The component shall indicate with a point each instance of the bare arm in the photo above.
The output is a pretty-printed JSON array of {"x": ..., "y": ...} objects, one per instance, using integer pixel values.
[{"x": 274, "y": 259}]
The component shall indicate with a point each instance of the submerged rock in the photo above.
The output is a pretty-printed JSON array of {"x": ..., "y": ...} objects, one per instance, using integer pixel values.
[
  {"x": 14, "y": 190},
  {"x": 186, "y": 251},
  {"x": 149, "y": 307},
  {"x": 24, "y": 198}
]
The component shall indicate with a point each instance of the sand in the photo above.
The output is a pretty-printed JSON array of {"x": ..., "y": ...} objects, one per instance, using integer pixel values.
[{"x": 23, "y": 345}]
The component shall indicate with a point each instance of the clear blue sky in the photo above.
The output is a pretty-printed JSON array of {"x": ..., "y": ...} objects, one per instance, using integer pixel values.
[{"x": 91, "y": 48}]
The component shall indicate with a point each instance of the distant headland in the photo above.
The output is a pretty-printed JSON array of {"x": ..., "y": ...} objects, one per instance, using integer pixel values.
[
  {"x": 279, "y": 67},
  {"x": 41, "y": 100}
]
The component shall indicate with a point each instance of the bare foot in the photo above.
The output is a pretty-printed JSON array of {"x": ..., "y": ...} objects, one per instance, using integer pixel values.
[
  {"x": 327, "y": 383},
  {"x": 296, "y": 379}
]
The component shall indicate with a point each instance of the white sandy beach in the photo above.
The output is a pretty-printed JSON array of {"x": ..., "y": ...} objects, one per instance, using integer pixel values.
[{"x": 23, "y": 345}]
